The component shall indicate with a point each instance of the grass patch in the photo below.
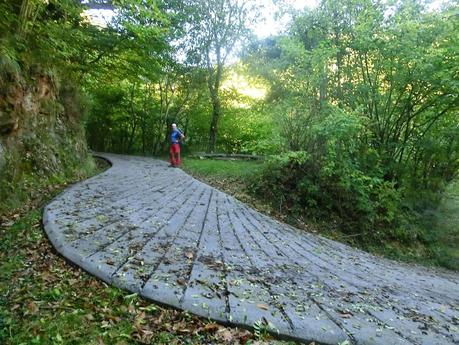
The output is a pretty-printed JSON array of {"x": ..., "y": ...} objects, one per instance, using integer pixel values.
[
  {"x": 221, "y": 168},
  {"x": 46, "y": 300},
  {"x": 230, "y": 176}
]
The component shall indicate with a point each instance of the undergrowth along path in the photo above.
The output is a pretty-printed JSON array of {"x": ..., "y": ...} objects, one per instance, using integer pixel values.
[{"x": 157, "y": 231}]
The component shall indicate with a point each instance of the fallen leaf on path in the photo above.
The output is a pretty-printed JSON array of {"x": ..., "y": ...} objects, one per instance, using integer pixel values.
[
  {"x": 262, "y": 306},
  {"x": 181, "y": 281},
  {"x": 346, "y": 315}
]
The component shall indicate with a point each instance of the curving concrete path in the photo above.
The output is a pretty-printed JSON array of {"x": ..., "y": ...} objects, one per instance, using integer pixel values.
[{"x": 157, "y": 231}]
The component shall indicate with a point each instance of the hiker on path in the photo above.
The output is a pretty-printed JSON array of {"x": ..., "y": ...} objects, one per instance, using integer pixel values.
[{"x": 174, "y": 153}]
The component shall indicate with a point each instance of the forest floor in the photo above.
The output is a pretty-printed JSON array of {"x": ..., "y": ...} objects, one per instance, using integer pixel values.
[
  {"x": 440, "y": 226},
  {"x": 41, "y": 300}
]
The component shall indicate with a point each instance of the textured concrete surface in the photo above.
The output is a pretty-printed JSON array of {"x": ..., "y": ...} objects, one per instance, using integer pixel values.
[{"x": 157, "y": 231}]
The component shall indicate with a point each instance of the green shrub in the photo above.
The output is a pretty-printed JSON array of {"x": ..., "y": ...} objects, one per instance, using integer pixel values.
[
  {"x": 297, "y": 183},
  {"x": 336, "y": 177}
]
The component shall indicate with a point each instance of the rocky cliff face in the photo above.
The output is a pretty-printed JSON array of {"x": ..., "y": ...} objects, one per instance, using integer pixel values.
[{"x": 41, "y": 136}]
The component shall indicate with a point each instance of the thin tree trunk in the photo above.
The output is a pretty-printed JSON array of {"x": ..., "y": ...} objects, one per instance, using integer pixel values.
[
  {"x": 216, "y": 110},
  {"x": 143, "y": 136},
  {"x": 187, "y": 122},
  {"x": 323, "y": 88},
  {"x": 133, "y": 118},
  {"x": 214, "y": 88}
]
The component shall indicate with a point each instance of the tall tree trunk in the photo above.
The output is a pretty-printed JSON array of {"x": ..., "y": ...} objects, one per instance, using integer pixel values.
[
  {"x": 214, "y": 88},
  {"x": 323, "y": 89},
  {"x": 143, "y": 136},
  {"x": 133, "y": 118},
  {"x": 167, "y": 133},
  {"x": 187, "y": 122},
  {"x": 216, "y": 110},
  {"x": 131, "y": 138}
]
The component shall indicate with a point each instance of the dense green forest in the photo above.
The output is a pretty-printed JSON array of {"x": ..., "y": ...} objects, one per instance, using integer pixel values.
[{"x": 355, "y": 103}]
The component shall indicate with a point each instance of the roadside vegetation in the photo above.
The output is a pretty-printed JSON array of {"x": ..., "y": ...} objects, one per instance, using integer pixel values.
[{"x": 229, "y": 175}]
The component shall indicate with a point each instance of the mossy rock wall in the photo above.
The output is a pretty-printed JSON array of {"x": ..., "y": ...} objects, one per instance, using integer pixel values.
[{"x": 41, "y": 135}]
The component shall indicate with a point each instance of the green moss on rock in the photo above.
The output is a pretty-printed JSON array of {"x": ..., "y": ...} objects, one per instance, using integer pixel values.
[{"x": 41, "y": 137}]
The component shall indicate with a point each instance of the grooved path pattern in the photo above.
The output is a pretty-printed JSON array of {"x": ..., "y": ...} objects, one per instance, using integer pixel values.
[{"x": 156, "y": 231}]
